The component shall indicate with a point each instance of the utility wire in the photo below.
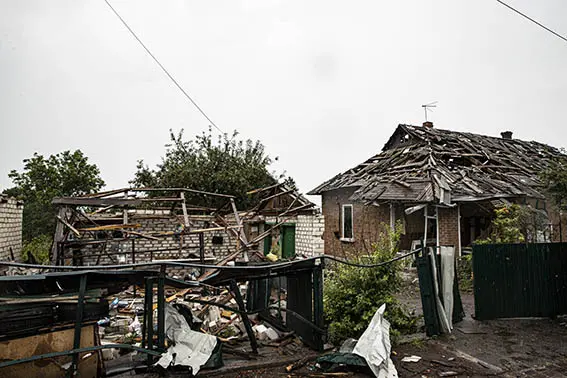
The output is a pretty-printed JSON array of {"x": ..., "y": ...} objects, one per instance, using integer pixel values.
[
  {"x": 163, "y": 68},
  {"x": 534, "y": 21}
]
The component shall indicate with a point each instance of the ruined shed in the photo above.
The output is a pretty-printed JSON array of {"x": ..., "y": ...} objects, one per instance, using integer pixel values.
[
  {"x": 441, "y": 185},
  {"x": 132, "y": 225}
]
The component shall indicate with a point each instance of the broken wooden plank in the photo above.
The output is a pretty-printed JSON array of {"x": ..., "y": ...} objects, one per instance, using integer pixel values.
[
  {"x": 69, "y": 226},
  {"x": 99, "y": 202}
]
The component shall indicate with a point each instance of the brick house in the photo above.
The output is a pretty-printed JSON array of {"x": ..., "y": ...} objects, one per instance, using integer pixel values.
[{"x": 443, "y": 186}]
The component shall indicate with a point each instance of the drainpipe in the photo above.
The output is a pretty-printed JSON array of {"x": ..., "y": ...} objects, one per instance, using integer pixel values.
[
  {"x": 425, "y": 231},
  {"x": 437, "y": 228},
  {"x": 459, "y": 227}
]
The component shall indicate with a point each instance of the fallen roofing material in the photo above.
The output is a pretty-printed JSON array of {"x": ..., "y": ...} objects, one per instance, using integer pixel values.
[{"x": 422, "y": 164}]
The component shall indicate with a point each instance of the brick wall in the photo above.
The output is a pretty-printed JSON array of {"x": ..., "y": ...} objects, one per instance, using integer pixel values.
[
  {"x": 367, "y": 222},
  {"x": 10, "y": 228},
  {"x": 449, "y": 227},
  {"x": 180, "y": 246},
  {"x": 309, "y": 235}
]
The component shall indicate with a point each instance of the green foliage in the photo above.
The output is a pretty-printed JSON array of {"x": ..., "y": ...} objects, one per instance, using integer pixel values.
[
  {"x": 505, "y": 227},
  {"x": 465, "y": 273},
  {"x": 39, "y": 247},
  {"x": 226, "y": 165},
  {"x": 554, "y": 179},
  {"x": 64, "y": 174},
  {"x": 353, "y": 294}
]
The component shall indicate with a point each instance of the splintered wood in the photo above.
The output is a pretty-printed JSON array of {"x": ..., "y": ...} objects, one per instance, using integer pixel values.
[{"x": 424, "y": 164}]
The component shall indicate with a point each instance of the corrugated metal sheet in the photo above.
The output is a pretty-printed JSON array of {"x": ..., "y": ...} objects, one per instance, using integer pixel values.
[{"x": 520, "y": 280}]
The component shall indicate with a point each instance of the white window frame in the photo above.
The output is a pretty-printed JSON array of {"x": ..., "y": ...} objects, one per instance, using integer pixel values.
[{"x": 343, "y": 238}]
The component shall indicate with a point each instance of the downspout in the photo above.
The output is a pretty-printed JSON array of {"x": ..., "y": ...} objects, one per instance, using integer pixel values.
[
  {"x": 459, "y": 227},
  {"x": 425, "y": 231},
  {"x": 437, "y": 228}
]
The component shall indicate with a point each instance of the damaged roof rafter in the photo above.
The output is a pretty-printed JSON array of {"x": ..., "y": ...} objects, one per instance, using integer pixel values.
[{"x": 473, "y": 165}]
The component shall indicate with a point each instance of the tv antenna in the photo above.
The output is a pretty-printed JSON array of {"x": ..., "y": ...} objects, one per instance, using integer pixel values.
[{"x": 429, "y": 108}]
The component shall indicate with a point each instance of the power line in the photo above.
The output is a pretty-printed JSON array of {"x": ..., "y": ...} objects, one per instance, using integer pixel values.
[
  {"x": 534, "y": 21},
  {"x": 163, "y": 68}
]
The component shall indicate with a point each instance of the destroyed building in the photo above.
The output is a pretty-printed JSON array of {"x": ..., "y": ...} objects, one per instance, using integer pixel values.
[
  {"x": 152, "y": 224},
  {"x": 443, "y": 186},
  {"x": 11, "y": 211}
]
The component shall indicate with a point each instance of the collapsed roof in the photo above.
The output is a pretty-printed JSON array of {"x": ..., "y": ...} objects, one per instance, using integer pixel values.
[{"x": 423, "y": 164}]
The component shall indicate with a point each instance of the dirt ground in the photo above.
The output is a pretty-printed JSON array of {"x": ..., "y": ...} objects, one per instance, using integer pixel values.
[
  {"x": 535, "y": 347},
  {"x": 504, "y": 348}
]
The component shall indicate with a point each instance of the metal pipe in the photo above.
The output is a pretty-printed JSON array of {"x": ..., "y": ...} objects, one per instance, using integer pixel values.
[
  {"x": 76, "y": 351},
  {"x": 79, "y": 322}
]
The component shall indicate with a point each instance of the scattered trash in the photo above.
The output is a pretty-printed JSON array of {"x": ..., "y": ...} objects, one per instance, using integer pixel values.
[
  {"x": 411, "y": 359},
  {"x": 448, "y": 374}
]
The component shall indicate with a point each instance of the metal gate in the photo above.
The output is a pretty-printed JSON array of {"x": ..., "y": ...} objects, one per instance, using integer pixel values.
[{"x": 520, "y": 280}]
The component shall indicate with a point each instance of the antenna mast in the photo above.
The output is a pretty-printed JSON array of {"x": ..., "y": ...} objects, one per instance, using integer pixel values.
[{"x": 429, "y": 108}]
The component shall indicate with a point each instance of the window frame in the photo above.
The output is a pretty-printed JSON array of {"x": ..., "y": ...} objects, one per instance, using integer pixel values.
[{"x": 343, "y": 238}]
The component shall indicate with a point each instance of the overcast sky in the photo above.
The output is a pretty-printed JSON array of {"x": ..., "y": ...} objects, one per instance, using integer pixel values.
[{"x": 321, "y": 83}]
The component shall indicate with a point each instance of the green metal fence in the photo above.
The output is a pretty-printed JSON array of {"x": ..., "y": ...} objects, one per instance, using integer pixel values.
[{"x": 520, "y": 280}]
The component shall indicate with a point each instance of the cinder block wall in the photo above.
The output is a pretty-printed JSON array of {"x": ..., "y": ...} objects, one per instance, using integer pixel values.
[
  {"x": 146, "y": 250},
  {"x": 11, "y": 212},
  {"x": 367, "y": 222},
  {"x": 309, "y": 235}
]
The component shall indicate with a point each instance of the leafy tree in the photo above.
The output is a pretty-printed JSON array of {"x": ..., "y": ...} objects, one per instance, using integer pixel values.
[
  {"x": 505, "y": 227},
  {"x": 64, "y": 174},
  {"x": 218, "y": 165},
  {"x": 554, "y": 180}
]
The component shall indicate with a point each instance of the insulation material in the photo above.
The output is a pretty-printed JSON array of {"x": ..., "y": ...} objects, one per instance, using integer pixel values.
[{"x": 190, "y": 348}]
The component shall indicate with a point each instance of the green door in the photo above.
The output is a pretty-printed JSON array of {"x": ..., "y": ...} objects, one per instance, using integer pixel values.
[
  {"x": 288, "y": 241},
  {"x": 267, "y": 244}
]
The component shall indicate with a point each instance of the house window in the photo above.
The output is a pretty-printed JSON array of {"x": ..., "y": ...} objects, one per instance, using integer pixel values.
[{"x": 346, "y": 221}]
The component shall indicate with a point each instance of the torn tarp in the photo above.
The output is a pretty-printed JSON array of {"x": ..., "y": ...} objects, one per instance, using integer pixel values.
[
  {"x": 190, "y": 348},
  {"x": 374, "y": 346}
]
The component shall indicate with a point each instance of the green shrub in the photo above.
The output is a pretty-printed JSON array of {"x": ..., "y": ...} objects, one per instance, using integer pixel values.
[
  {"x": 505, "y": 227},
  {"x": 465, "y": 273},
  {"x": 353, "y": 294},
  {"x": 39, "y": 247}
]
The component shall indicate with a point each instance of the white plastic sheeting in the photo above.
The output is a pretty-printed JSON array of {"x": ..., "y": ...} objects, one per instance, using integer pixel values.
[
  {"x": 447, "y": 269},
  {"x": 190, "y": 348},
  {"x": 447, "y": 281},
  {"x": 374, "y": 346}
]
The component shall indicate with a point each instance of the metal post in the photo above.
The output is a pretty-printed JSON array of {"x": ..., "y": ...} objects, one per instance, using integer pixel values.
[
  {"x": 134, "y": 261},
  {"x": 79, "y": 323},
  {"x": 249, "y": 331},
  {"x": 202, "y": 251},
  {"x": 161, "y": 309},
  {"x": 149, "y": 304},
  {"x": 318, "y": 304},
  {"x": 133, "y": 251},
  {"x": 147, "y": 293}
]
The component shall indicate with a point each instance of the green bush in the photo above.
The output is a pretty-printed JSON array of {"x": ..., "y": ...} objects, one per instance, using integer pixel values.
[
  {"x": 465, "y": 273},
  {"x": 353, "y": 294},
  {"x": 505, "y": 227},
  {"x": 39, "y": 247}
]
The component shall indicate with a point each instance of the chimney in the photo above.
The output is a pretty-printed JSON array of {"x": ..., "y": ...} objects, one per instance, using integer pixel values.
[
  {"x": 428, "y": 124},
  {"x": 506, "y": 134}
]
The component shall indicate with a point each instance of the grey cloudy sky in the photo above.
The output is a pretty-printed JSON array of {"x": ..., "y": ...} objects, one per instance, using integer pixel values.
[{"x": 321, "y": 83}]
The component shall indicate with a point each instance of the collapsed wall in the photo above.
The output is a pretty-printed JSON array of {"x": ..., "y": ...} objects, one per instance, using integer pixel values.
[
  {"x": 11, "y": 211},
  {"x": 165, "y": 241}
]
